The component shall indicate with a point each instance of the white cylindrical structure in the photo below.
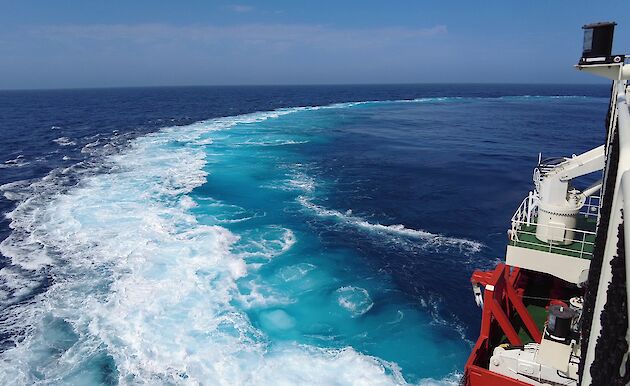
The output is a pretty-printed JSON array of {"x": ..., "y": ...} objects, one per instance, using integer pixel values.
[
  {"x": 557, "y": 210},
  {"x": 556, "y": 225}
]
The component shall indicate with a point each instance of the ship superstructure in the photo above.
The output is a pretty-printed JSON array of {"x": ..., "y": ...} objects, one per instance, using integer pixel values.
[{"x": 556, "y": 312}]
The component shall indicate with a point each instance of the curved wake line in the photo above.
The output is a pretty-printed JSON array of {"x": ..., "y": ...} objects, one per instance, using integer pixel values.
[
  {"x": 143, "y": 293},
  {"x": 430, "y": 239},
  {"x": 258, "y": 116},
  {"x": 446, "y": 99},
  {"x": 131, "y": 276}
]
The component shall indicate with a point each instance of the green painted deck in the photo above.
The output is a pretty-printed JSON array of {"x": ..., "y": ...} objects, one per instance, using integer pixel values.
[
  {"x": 538, "y": 312},
  {"x": 527, "y": 239},
  {"x": 536, "y": 299}
]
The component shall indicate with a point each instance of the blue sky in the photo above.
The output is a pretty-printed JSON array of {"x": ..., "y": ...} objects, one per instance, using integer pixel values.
[{"x": 98, "y": 43}]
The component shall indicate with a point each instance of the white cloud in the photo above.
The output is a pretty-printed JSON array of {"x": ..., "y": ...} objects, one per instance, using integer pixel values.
[
  {"x": 240, "y": 8},
  {"x": 163, "y": 54},
  {"x": 298, "y": 34}
]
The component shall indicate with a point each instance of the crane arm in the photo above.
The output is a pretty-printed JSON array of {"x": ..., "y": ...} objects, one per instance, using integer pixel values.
[{"x": 585, "y": 163}]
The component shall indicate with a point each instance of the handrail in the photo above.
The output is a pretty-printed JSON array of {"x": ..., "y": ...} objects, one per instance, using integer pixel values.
[
  {"x": 556, "y": 248},
  {"x": 526, "y": 216},
  {"x": 527, "y": 210},
  {"x": 591, "y": 207}
]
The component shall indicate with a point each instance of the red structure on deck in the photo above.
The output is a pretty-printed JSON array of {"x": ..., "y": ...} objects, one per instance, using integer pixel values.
[{"x": 503, "y": 302}]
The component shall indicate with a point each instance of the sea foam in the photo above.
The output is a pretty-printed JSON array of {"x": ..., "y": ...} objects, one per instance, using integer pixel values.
[
  {"x": 138, "y": 291},
  {"x": 428, "y": 239}
]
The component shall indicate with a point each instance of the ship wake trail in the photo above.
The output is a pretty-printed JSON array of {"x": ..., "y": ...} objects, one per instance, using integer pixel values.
[
  {"x": 427, "y": 239},
  {"x": 112, "y": 276},
  {"x": 140, "y": 290}
]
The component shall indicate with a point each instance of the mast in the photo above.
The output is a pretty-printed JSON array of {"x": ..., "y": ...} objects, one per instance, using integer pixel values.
[
  {"x": 557, "y": 311},
  {"x": 605, "y": 329}
]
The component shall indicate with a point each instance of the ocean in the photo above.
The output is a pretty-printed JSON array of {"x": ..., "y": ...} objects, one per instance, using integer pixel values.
[{"x": 263, "y": 235}]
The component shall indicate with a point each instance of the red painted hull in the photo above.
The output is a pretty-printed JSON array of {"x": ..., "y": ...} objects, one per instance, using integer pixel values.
[{"x": 477, "y": 376}]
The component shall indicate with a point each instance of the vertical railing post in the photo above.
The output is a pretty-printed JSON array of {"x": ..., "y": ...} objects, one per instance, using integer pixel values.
[{"x": 528, "y": 208}]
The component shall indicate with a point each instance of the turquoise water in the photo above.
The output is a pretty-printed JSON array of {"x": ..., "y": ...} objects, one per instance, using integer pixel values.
[
  {"x": 301, "y": 289},
  {"x": 322, "y": 245}
]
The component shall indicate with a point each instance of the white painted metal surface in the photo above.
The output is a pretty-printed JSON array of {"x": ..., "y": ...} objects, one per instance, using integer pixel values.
[
  {"x": 571, "y": 269},
  {"x": 558, "y": 205},
  {"x": 612, "y": 71},
  {"x": 528, "y": 215},
  {"x": 521, "y": 364},
  {"x": 621, "y": 197}
]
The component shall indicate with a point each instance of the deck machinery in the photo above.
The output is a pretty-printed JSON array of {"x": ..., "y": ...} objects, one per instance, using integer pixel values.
[{"x": 556, "y": 312}]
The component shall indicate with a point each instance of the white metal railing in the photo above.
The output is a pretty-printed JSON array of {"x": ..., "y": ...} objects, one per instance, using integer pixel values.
[
  {"x": 524, "y": 224},
  {"x": 591, "y": 207},
  {"x": 585, "y": 241},
  {"x": 527, "y": 211}
]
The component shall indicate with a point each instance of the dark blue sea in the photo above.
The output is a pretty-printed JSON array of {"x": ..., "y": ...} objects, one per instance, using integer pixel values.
[{"x": 263, "y": 235}]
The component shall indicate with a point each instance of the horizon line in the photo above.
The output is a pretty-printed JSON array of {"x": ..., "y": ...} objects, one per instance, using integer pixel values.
[{"x": 299, "y": 85}]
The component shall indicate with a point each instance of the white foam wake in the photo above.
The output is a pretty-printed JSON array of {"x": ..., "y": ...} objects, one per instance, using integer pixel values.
[
  {"x": 64, "y": 141},
  {"x": 430, "y": 240},
  {"x": 139, "y": 287},
  {"x": 277, "y": 142},
  {"x": 16, "y": 162},
  {"x": 356, "y": 300}
]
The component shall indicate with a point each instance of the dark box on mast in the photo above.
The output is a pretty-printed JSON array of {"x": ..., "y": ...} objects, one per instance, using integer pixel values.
[{"x": 598, "y": 41}]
